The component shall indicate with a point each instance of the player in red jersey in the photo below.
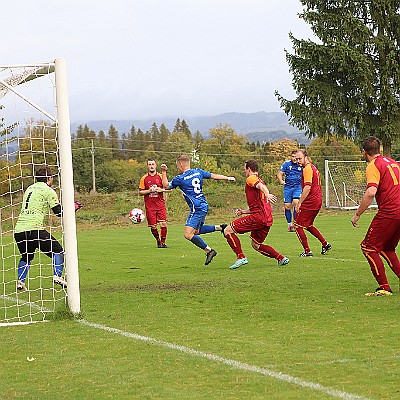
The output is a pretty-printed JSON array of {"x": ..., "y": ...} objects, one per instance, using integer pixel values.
[
  {"x": 151, "y": 188},
  {"x": 383, "y": 235},
  {"x": 309, "y": 204},
  {"x": 258, "y": 222}
]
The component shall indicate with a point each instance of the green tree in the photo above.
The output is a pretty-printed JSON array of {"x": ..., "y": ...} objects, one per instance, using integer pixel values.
[
  {"x": 185, "y": 129},
  {"x": 347, "y": 84},
  {"x": 113, "y": 142}
]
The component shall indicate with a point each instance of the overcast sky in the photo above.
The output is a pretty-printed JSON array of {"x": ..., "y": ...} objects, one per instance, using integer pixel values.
[{"x": 138, "y": 59}]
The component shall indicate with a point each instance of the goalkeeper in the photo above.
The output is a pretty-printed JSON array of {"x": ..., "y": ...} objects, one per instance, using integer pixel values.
[{"x": 29, "y": 230}]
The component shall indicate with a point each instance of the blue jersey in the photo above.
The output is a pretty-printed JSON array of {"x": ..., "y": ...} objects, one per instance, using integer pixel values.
[
  {"x": 293, "y": 172},
  {"x": 191, "y": 185}
]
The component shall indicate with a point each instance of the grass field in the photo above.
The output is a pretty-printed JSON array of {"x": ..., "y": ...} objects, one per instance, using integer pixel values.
[{"x": 303, "y": 331}]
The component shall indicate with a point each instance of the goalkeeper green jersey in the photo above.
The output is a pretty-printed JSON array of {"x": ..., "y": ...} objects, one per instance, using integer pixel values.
[{"x": 38, "y": 199}]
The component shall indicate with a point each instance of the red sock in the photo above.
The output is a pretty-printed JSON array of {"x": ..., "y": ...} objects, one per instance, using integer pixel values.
[
  {"x": 303, "y": 238},
  {"x": 163, "y": 234},
  {"x": 154, "y": 231},
  {"x": 270, "y": 252},
  {"x": 314, "y": 231},
  {"x": 377, "y": 268},
  {"x": 235, "y": 244}
]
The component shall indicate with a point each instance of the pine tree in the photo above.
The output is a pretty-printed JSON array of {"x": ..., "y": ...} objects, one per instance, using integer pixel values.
[
  {"x": 348, "y": 84},
  {"x": 113, "y": 141},
  {"x": 185, "y": 129}
]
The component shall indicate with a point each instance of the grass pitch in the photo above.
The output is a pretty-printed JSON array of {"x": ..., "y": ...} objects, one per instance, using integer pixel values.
[{"x": 308, "y": 320}]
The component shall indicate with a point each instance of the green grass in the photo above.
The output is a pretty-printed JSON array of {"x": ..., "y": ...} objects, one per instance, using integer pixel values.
[{"x": 309, "y": 319}]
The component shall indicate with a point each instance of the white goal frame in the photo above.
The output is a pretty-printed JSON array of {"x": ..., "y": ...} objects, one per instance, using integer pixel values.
[
  {"x": 345, "y": 184},
  {"x": 61, "y": 119}
]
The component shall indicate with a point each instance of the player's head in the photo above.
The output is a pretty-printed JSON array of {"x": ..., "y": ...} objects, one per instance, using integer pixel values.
[
  {"x": 293, "y": 156},
  {"x": 371, "y": 146},
  {"x": 250, "y": 166},
  {"x": 151, "y": 165},
  {"x": 183, "y": 163},
  {"x": 44, "y": 174},
  {"x": 302, "y": 157}
]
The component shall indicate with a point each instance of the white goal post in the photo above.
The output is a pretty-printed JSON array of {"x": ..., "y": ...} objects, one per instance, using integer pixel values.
[
  {"x": 345, "y": 184},
  {"x": 34, "y": 132}
]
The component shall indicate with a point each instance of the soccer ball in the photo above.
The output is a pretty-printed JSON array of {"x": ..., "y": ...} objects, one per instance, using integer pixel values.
[{"x": 137, "y": 216}]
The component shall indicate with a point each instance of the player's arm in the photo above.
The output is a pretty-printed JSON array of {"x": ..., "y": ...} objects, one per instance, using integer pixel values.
[
  {"x": 240, "y": 211},
  {"x": 223, "y": 177},
  {"x": 270, "y": 197},
  {"x": 279, "y": 175},
  {"x": 304, "y": 194},
  {"x": 164, "y": 178},
  {"x": 365, "y": 203}
]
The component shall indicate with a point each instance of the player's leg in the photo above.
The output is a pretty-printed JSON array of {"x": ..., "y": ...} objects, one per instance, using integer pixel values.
[
  {"x": 26, "y": 246},
  {"x": 287, "y": 202},
  {"x": 162, "y": 220},
  {"x": 192, "y": 229},
  {"x": 315, "y": 232},
  {"x": 235, "y": 244},
  {"x": 389, "y": 248},
  {"x": 371, "y": 247},
  {"x": 50, "y": 246},
  {"x": 257, "y": 238},
  {"x": 151, "y": 216},
  {"x": 300, "y": 223}
]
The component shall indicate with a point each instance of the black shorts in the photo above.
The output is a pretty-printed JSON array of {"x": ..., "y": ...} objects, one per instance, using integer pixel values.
[{"x": 29, "y": 241}]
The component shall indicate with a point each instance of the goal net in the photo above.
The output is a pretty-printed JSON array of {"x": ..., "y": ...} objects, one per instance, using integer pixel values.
[
  {"x": 345, "y": 184},
  {"x": 35, "y": 132}
]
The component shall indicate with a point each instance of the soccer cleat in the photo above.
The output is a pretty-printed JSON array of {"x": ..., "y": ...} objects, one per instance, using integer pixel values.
[
  {"x": 21, "y": 286},
  {"x": 159, "y": 244},
  {"x": 380, "y": 292},
  {"x": 292, "y": 229},
  {"x": 223, "y": 226},
  {"x": 284, "y": 261},
  {"x": 210, "y": 255},
  {"x": 306, "y": 254},
  {"x": 58, "y": 280},
  {"x": 239, "y": 262},
  {"x": 326, "y": 248},
  {"x": 163, "y": 246}
]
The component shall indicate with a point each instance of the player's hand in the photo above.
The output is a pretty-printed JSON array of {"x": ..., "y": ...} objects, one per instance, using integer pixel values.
[
  {"x": 354, "y": 221},
  {"x": 238, "y": 211},
  {"x": 231, "y": 179},
  {"x": 164, "y": 167},
  {"x": 78, "y": 205},
  {"x": 272, "y": 198}
]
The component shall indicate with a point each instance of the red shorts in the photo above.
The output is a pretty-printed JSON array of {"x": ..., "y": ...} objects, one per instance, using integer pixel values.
[
  {"x": 383, "y": 234},
  {"x": 252, "y": 223},
  {"x": 155, "y": 216},
  {"x": 305, "y": 218}
]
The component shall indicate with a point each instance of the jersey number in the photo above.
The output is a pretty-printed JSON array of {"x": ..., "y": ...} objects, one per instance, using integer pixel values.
[
  {"x": 27, "y": 200},
  {"x": 391, "y": 170},
  {"x": 196, "y": 185}
]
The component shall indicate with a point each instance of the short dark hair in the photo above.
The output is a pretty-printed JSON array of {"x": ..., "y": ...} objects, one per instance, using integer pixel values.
[
  {"x": 371, "y": 145},
  {"x": 43, "y": 174},
  {"x": 294, "y": 152},
  {"x": 252, "y": 164}
]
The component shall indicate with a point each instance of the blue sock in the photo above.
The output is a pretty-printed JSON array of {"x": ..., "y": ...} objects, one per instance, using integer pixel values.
[
  {"x": 199, "y": 242},
  {"x": 58, "y": 264},
  {"x": 288, "y": 215},
  {"x": 294, "y": 214},
  {"x": 23, "y": 268},
  {"x": 207, "y": 229}
]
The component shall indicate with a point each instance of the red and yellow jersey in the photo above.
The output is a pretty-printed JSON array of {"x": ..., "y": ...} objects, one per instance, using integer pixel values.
[
  {"x": 153, "y": 201},
  {"x": 256, "y": 200},
  {"x": 384, "y": 174},
  {"x": 311, "y": 177}
]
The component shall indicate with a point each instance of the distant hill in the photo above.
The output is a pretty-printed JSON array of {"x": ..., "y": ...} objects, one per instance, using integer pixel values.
[{"x": 260, "y": 126}]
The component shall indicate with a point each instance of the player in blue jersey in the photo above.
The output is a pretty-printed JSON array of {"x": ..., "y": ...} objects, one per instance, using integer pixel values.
[
  {"x": 291, "y": 187},
  {"x": 190, "y": 182}
]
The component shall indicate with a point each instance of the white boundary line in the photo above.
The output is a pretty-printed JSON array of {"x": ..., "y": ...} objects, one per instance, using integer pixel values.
[
  {"x": 213, "y": 357},
  {"x": 232, "y": 363}
]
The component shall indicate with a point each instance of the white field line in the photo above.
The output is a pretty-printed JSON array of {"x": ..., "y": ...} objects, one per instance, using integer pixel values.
[
  {"x": 344, "y": 260},
  {"x": 232, "y": 363}
]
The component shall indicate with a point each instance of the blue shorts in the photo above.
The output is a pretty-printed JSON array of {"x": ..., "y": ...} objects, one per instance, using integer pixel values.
[
  {"x": 196, "y": 219},
  {"x": 290, "y": 193}
]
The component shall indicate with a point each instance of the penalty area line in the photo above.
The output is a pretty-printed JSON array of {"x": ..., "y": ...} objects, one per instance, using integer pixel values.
[{"x": 232, "y": 363}]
